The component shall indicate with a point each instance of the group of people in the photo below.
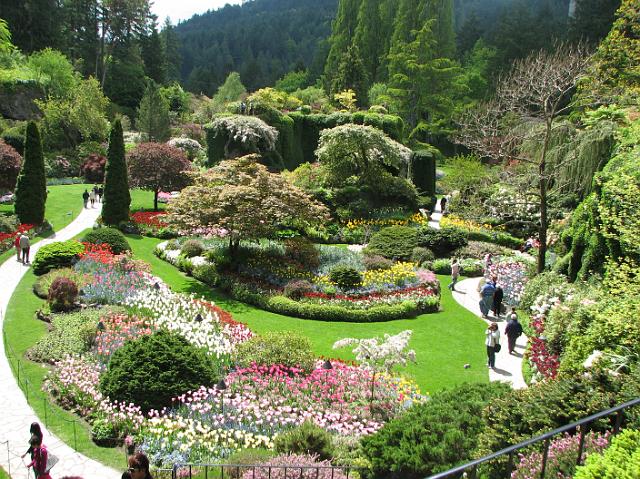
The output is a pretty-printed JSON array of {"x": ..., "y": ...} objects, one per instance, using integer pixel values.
[
  {"x": 512, "y": 331},
  {"x": 92, "y": 196},
  {"x": 41, "y": 461},
  {"x": 23, "y": 246},
  {"x": 491, "y": 296}
]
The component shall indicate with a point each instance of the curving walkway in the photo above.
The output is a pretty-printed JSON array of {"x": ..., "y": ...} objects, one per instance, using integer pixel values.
[
  {"x": 508, "y": 366},
  {"x": 17, "y": 414}
]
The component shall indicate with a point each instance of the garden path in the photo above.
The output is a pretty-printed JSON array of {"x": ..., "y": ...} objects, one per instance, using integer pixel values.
[
  {"x": 508, "y": 366},
  {"x": 17, "y": 413}
]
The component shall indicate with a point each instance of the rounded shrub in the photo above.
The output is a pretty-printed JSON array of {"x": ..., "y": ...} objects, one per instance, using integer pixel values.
[
  {"x": 422, "y": 255},
  {"x": 153, "y": 369},
  {"x": 282, "y": 347},
  {"x": 308, "y": 438},
  {"x": 620, "y": 460},
  {"x": 249, "y": 457},
  {"x": 303, "y": 251},
  {"x": 345, "y": 277},
  {"x": 111, "y": 236},
  {"x": 60, "y": 254},
  {"x": 192, "y": 248},
  {"x": 393, "y": 242},
  {"x": 296, "y": 288},
  {"x": 441, "y": 241},
  {"x": 63, "y": 294},
  {"x": 375, "y": 261}
]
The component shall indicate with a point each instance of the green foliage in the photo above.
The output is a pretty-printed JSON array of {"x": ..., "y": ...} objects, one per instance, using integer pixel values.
[
  {"x": 42, "y": 284},
  {"x": 63, "y": 294},
  {"x": 153, "y": 115},
  {"x": 31, "y": 188},
  {"x": 192, "y": 248},
  {"x": 441, "y": 241},
  {"x": 620, "y": 460},
  {"x": 59, "y": 254},
  {"x": 431, "y": 437},
  {"x": 152, "y": 370},
  {"x": 10, "y": 163},
  {"x": 345, "y": 277},
  {"x": 421, "y": 255},
  {"x": 303, "y": 251},
  {"x": 125, "y": 81},
  {"x": 116, "y": 199},
  {"x": 496, "y": 237},
  {"x": 469, "y": 267},
  {"x": 54, "y": 72},
  {"x": 287, "y": 348},
  {"x": 423, "y": 170},
  {"x": 308, "y": 438},
  {"x": 239, "y": 135},
  {"x": 394, "y": 242},
  {"x": 293, "y": 81},
  {"x": 296, "y": 288},
  {"x": 538, "y": 285},
  {"x": 376, "y": 261},
  {"x": 111, "y": 236},
  {"x": 231, "y": 90}
]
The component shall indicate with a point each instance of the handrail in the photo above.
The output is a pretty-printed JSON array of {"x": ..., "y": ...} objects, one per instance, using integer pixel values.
[{"x": 542, "y": 437}]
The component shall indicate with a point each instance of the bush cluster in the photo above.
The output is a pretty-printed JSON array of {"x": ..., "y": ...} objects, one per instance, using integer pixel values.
[
  {"x": 422, "y": 256},
  {"x": 303, "y": 251},
  {"x": 499, "y": 238},
  {"x": 63, "y": 294},
  {"x": 192, "y": 248},
  {"x": 441, "y": 241},
  {"x": 153, "y": 369},
  {"x": 345, "y": 277},
  {"x": 42, "y": 284},
  {"x": 59, "y": 254},
  {"x": 469, "y": 267},
  {"x": 393, "y": 242},
  {"x": 296, "y": 288},
  {"x": 308, "y": 438},
  {"x": 620, "y": 460},
  {"x": 111, "y": 236},
  {"x": 376, "y": 261},
  {"x": 282, "y": 347}
]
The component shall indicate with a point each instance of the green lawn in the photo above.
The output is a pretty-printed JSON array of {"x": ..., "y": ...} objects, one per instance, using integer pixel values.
[
  {"x": 444, "y": 342},
  {"x": 3, "y": 474}
]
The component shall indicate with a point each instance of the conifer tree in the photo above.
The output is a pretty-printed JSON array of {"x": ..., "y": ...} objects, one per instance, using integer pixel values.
[
  {"x": 115, "y": 206},
  {"x": 31, "y": 188},
  {"x": 171, "y": 47},
  {"x": 342, "y": 34},
  {"x": 153, "y": 115},
  {"x": 153, "y": 55},
  {"x": 351, "y": 75},
  {"x": 367, "y": 37}
]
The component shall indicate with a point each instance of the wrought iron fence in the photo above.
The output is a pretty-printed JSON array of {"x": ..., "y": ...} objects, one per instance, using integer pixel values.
[
  {"x": 501, "y": 464},
  {"x": 256, "y": 471}
]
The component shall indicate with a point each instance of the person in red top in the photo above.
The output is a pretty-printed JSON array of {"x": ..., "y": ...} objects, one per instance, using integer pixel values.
[
  {"x": 40, "y": 456},
  {"x": 16, "y": 243}
]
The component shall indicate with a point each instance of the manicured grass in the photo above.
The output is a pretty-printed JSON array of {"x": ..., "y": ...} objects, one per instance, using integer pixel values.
[
  {"x": 444, "y": 342},
  {"x": 3, "y": 474},
  {"x": 22, "y": 330}
]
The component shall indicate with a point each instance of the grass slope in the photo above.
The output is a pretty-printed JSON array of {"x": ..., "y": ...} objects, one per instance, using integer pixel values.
[{"x": 444, "y": 342}]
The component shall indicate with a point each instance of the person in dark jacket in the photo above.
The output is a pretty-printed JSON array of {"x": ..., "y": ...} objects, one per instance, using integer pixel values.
[
  {"x": 513, "y": 330},
  {"x": 498, "y": 295}
]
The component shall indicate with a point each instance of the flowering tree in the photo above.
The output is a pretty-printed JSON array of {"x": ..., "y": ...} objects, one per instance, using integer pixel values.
[
  {"x": 244, "y": 134},
  {"x": 243, "y": 198},
  {"x": 10, "y": 163},
  {"x": 375, "y": 354},
  {"x": 157, "y": 166}
]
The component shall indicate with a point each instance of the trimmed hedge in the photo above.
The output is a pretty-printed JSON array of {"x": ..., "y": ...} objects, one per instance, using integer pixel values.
[
  {"x": 277, "y": 347},
  {"x": 60, "y": 254},
  {"x": 393, "y": 242},
  {"x": 441, "y": 241},
  {"x": 502, "y": 239},
  {"x": 111, "y": 236}
]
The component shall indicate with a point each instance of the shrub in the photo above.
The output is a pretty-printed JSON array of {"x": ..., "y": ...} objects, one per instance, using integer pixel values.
[
  {"x": 421, "y": 255},
  {"x": 31, "y": 185},
  {"x": 63, "y": 294},
  {"x": 295, "y": 289},
  {"x": 345, "y": 277},
  {"x": 433, "y": 436},
  {"x": 245, "y": 456},
  {"x": 479, "y": 249},
  {"x": 192, "y": 248},
  {"x": 375, "y": 261},
  {"x": 538, "y": 285},
  {"x": 116, "y": 198},
  {"x": 93, "y": 168},
  {"x": 298, "y": 466},
  {"x": 59, "y": 254},
  {"x": 8, "y": 223},
  {"x": 303, "y": 251},
  {"x": 207, "y": 273},
  {"x": 308, "y": 438},
  {"x": 499, "y": 238},
  {"x": 111, "y": 236},
  {"x": 620, "y": 460},
  {"x": 441, "y": 241},
  {"x": 393, "y": 242},
  {"x": 282, "y": 347},
  {"x": 10, "y": 162},
  {"x": 468, "y": 267},
  {"x": 153, "y": 369}
]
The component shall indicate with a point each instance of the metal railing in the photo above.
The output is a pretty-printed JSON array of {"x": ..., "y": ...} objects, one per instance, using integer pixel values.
[
  {"x": 255, "y": 471},
  {"x": 471, "y": 468}
]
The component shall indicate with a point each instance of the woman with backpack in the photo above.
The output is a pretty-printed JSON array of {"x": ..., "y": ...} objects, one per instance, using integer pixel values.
[{"x": 40, "y": 457}]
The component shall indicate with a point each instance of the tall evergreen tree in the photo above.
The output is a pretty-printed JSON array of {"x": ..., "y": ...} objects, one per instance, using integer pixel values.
[
  {"x": 31, "y": 188},
  {"x": 367, "y": 38},
  {"x": 388, "y": 11},
  {"x": 154, "y": 58},
  {"x": 351, "y": 74},
  {"x": 171, "y": 46},
  {"x": 153, "y": 115},
  {"x": 592, "y": 19},
  {"x": 342, "y": 34},
  {"x": 115, "y": 206},
  {"x": 80, "y": 30},
  {"x": 442, "y": 12},
  {"x": 34, "y": 24}
]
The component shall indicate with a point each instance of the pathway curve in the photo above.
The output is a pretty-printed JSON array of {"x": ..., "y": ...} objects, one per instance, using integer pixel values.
[
  {"x": 17, "y": 415},
  {"x": 508, "y": 366}
]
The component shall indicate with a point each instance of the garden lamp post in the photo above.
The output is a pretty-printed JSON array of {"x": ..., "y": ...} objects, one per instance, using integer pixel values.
[
  {"x": 221, "y": 386},
  {"x": 327, "y": 366},
  {"x": 99, "y": 329}
]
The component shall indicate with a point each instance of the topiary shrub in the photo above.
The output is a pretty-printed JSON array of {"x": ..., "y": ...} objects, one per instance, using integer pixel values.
[
  {"x": 56, "y": 255},
  {"x": 296, "y": 288},
  {"x": 303, "y": 251},
  {"x": 422, "y": 255},
  {"x": 393, "y": 242},
  {"x": 63, "y": 294},
  {"x": 433, "y": 436},
  {"x": 308, "y": 438},
  {"x": 441, "y": 241},
  {"x": 345, "y": 277},
  {"x": 31, "y": 185},
  {"x": 192, "y": 248},
  {"x": 375, "y": 261},
  {"x": 153, "y": 369},
  {"x": 111, "y": 236},
  {"x": 282, "y": 347},
  {"x": 620, "y": 460}
]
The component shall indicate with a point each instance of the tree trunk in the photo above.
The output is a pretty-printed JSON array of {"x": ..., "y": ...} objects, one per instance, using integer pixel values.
[
  {"x": 543, "y": 184},
  {"x": 155, "y": 200}
]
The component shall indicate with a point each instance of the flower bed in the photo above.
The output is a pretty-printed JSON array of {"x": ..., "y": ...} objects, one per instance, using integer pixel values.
[
  {"x": 512, "y": 278},
  {"x": 7, "y": 239},
  {"x": 150, "y": 223}
]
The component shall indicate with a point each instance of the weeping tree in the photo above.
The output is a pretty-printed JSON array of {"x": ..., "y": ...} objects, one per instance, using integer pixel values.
[
  {"x": 528, "y": 103},
  {"x": 237, "y": 135}
]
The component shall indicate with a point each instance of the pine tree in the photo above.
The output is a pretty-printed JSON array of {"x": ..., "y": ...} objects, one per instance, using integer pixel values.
[
  {"x": 342, "y": 34},
  {"x": 351, "y": 75},
  {"x": 367, "y": 37},
  {"x": 592, "y": 19},
  {"x": 388, "y": 10},
  {"x": 171, "y": 46},
  {"x": 153, "y": 115},
  {"x": 442, "y": 12},
  {"x": 115, "y": 206},
  {"x": 154, "y": 58},
  {"x": 31, "y": 188}
]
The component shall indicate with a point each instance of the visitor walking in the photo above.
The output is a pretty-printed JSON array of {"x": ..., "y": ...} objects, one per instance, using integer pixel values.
[
  {"x": 25, "y": 246},
  {"x": 92, "y": 197},
  {"x": 40, "y": 458},
  {"x": 100, "y": 193},
  {"x": 443, "y": 204},
  {"x": 139, "y": 466},
  {"x": 16, "y": 243},
  {"x": 488, "y": 262},
  {"x": 513, "y": 330},
  {"x": 85, "y": 198},
  {"x": 498, "y": 296},
  {"x": 34, "y": 430},
  {"x": 455, "y": 274},
  {"x": 486, "y": 298},
  {"x": 492, "y": 342}
]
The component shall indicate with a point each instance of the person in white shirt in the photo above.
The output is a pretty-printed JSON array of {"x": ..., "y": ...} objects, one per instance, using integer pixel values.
[
  {"x": 455, "y": 274},
  {"x": 492, "y": 340}
]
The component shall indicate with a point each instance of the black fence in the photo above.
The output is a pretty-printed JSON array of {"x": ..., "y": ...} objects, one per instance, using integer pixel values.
[
  {"x": 501, "y": 463},
  {"x": 256, "y": 471}
]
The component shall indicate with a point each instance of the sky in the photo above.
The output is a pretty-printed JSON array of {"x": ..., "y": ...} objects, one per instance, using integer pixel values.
[{"x": 183, "y": 9}]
